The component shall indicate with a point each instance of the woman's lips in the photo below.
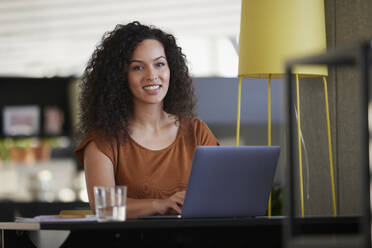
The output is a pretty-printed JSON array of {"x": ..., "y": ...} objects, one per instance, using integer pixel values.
[{"x": 152, "y": 89}]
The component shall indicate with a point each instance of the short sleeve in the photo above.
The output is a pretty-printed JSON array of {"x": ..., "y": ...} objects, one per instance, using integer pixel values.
[
  {"x": 109, "y": 148},
  {"x": 203, "y": 134}
]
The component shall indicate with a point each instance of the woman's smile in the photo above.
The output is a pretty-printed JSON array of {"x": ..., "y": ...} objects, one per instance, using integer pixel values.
[{"x": 152, "y": 89}]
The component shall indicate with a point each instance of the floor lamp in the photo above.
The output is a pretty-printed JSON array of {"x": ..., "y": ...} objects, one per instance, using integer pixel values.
[{"x": 271, "y": 32}]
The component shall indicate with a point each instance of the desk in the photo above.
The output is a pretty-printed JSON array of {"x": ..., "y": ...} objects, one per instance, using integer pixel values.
[
  {"x": 10, "y": 209},
  {"x": 229, "y": 232}
]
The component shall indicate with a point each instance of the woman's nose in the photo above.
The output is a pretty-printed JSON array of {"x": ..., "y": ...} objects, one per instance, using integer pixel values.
[{"x": 151, "y": 75}]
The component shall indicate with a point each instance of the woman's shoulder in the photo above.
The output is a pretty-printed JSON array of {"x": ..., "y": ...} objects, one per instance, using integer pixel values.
[
  {"x": 98, "y": 136},
  {"x": 200, "y": 131},
  {"x": 108, "y": 146},
  {"x": 195, "y": 123}
]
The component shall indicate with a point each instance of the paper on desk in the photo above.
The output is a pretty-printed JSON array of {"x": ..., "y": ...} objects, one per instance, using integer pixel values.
[{"x": 56, "y": 218}]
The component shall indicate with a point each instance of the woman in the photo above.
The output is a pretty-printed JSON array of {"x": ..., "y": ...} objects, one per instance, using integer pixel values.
[{"x": 137, "y": 104}]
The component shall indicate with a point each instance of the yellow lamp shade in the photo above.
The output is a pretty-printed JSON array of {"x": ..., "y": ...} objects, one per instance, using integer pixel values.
[{"x": 272, "y": 31}]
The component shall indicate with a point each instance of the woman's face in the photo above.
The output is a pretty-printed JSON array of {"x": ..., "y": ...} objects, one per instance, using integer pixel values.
[{"x": 148, "y": 73}]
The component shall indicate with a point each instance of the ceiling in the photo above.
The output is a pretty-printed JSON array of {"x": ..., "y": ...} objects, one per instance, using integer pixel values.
[{"x": 52, "y": 37}]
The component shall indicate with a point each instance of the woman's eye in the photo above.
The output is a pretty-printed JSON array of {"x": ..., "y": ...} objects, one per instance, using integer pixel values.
[
  {"x": 137, "y": 67},
  {"x": 160, "y": 64}
]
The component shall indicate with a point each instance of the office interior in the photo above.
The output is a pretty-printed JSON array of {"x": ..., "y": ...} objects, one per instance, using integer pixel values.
[{"x": 44, "y": 46}]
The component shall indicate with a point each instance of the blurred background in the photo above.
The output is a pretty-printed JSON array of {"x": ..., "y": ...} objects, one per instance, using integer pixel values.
[{"x": 44, "y": 48}]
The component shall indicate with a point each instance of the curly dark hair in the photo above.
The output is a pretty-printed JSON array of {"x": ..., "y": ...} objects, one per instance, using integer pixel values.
[{"x": 106, "y": 102}]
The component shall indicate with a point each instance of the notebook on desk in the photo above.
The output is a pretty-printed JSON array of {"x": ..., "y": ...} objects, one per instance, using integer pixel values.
[{"x": 228, "y": 181}]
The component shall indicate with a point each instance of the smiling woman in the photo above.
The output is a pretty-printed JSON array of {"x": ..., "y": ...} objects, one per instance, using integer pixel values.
[{"x": 137, "y": 119}]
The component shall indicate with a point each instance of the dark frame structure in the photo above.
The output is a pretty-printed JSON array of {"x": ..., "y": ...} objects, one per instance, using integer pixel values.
[
  {"x": 39, "y": 92},
  {"x": 357, "y": 55}
]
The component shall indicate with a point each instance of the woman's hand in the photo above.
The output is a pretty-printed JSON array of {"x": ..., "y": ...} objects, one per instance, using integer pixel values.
[{"x": 171, "y": 205}]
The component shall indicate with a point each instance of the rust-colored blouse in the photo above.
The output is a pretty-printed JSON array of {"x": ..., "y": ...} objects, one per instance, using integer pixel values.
[{"x": 152, "y": 173}]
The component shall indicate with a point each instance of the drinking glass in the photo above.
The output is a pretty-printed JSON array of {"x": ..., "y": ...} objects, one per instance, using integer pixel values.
[{"x": 110, "y": 202}]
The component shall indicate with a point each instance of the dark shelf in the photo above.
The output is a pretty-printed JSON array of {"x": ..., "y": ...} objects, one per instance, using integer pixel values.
[{"x": 41, "y": 92}]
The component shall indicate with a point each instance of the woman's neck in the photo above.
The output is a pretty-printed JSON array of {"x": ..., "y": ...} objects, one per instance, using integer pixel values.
[{"x": 149, "y": 116}]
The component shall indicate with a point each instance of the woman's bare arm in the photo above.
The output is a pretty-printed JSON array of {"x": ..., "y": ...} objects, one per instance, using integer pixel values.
[{"x": 99, "y": 171}]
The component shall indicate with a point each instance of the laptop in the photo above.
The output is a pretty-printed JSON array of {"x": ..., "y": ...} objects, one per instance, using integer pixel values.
[{"x": 228, "y": 181}]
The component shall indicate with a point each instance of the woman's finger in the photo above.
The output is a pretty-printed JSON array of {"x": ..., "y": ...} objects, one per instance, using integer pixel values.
[
  {"x": 176, "y": 207},
  {"x": 178, "y": 199}
]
